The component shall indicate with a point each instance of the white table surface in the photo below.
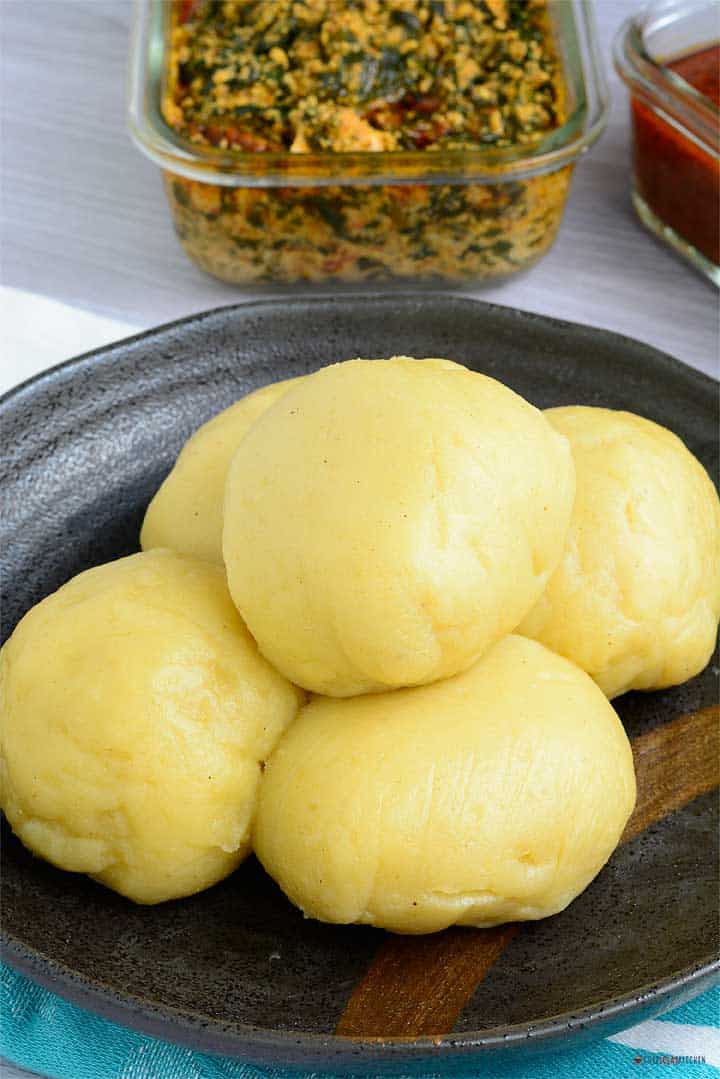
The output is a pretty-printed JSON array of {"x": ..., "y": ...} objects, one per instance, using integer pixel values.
[{"x": 84, "y": 220}]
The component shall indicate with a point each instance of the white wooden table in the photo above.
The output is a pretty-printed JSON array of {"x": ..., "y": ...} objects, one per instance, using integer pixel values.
[{"x": 85, "y": 221}]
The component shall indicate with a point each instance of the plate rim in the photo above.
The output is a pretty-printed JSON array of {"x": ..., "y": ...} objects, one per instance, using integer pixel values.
[
  {"x": 242, "y": 1040},
  {"x": 672, "y": 363},
  {"x": 185, "y": 1027}
]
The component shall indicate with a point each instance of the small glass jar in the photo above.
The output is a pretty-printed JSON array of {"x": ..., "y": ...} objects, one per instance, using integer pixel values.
[
  {"x": 668, "y": 55},
  {"x": 445, "y": 217}
]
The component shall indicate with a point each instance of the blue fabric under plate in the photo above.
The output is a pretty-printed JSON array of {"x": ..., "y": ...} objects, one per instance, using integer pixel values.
[{"x": 45, "y": 1034}]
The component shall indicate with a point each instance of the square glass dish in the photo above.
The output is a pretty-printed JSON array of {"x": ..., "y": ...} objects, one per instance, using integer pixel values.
[
  {"x": 669, "y": 57},
  {"x": 436, "y": 215}
]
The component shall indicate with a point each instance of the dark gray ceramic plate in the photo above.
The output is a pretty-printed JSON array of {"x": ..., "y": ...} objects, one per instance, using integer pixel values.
[{"x": 236, "y": 970}]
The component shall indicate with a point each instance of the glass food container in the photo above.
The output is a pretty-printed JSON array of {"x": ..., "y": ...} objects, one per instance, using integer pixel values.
[
  {"x": 444, "y": 216},
  {"x": 669, "y": 56}
]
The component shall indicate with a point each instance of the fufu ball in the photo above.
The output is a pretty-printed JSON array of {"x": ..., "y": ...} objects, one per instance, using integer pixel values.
[
  {"x": 635, "y": 600},
  {"x": 492, "y": 796},
  {"x": 135, "y": 714},
  {"x": 186, "y": 512},
  {"x": 386, "y": 521}
]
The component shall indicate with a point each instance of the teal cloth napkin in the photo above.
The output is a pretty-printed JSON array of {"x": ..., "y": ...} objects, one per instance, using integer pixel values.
[{"x": 44, "y": 1034}]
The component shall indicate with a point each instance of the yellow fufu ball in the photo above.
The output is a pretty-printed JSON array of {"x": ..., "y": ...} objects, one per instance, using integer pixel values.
[
  {"x": 135, "y": 712},
  {"x": 186, "y": 512},
  {"x": 387, "y": 520},
  {"x": 635, "y": 600},
  {"x": 495, "y": 795}
]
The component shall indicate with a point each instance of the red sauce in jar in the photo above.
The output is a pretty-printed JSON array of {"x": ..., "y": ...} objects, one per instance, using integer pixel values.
[
  {"x": 678, "y": 179},
  {"x": 702, "y": 71}
]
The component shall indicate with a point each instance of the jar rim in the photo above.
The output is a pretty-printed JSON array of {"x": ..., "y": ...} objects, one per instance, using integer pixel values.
[
  {"x": 177, "y": 154},
  {"x": 659, "y": 86}
]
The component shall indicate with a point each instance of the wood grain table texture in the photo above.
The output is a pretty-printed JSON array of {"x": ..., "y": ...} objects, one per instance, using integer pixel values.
[{"x": 84, "y": 221}]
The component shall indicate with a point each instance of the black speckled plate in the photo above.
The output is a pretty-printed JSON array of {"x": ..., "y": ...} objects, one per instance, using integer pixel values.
[{"x": 236, "y": 970}]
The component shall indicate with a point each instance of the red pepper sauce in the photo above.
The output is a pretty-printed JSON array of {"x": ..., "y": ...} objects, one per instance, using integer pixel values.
[
  {"x": 677, "y": 178},
  {"x": 702, "y": 71}
]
